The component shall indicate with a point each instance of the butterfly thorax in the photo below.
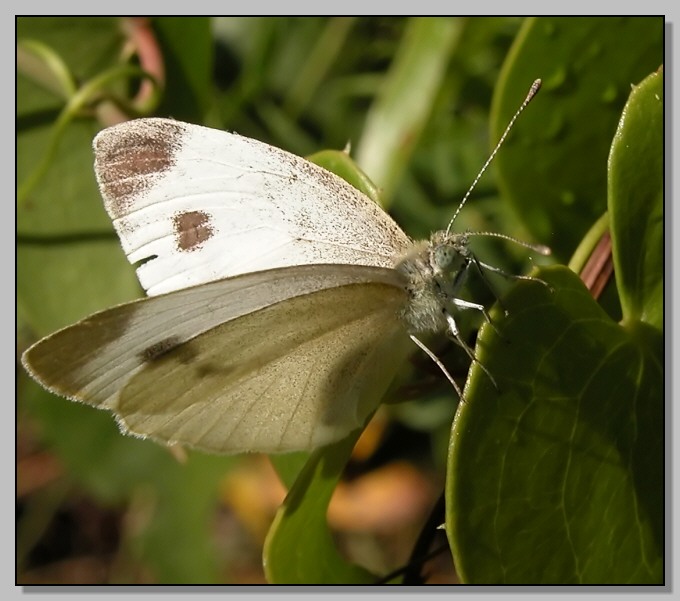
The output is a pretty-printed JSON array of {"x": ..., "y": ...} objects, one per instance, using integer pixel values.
[{"x": 435, "y": 271}]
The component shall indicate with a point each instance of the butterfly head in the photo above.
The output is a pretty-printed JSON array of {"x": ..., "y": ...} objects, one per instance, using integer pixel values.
[{"x": 448, "y": 254}]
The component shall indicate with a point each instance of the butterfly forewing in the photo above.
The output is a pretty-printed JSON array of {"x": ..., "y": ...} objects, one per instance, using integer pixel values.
[{"x": 195, "y": 204}]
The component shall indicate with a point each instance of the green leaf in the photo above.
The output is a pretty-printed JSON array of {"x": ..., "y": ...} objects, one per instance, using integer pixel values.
[
  {"x": 636, "y": 178},
  {"x": 557, "y": 476},
  {"x": 553, "y": 166},
  {"x": 299, "y": 548},
  {"x": 340, "y": 163}
]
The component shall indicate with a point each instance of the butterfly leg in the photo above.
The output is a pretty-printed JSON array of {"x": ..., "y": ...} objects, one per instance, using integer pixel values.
[
  {"x": 463, "y": 304},
  {"x": 482, "y": 275},
  {"x": 439, "y": 364},
  {"x": 455, "y": 332}
]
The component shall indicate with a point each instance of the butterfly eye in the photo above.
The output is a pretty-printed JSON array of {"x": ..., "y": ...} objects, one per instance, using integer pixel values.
[{"x": 447, "y": 258}]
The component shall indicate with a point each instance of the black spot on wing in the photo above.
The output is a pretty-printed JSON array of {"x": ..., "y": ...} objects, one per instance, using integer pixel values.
[
  {"x": 171, "y": 347},
  {"x": 174, "y": 350},
  {"x": 192, "y": 229}
]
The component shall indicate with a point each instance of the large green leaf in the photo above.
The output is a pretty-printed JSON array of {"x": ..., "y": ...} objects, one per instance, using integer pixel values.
[
  {"x": 557, "y": 476},
  {"x": 572, "y": 442}
]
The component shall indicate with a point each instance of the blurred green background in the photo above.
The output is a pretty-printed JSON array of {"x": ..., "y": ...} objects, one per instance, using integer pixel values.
[{"x": 420, "y": 101}]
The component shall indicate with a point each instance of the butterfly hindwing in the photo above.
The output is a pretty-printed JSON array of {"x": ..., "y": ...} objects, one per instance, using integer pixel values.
[
  {"x": 292, "y": 376},
  {"x": 278, "y": 360}
]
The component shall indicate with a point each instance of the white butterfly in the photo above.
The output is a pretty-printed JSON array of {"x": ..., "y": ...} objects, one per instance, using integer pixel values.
[{"x": 281, "y": 300}]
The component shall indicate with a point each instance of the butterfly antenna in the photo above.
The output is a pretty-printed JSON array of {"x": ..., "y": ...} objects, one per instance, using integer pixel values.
[
  {"x": 539, "y": 248},
  {"x": 532, "y": 92}
]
